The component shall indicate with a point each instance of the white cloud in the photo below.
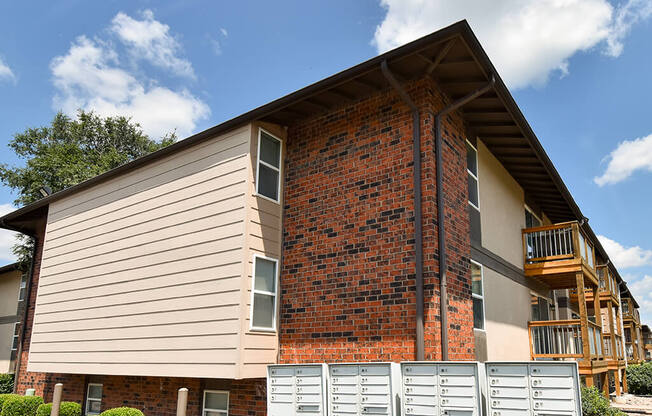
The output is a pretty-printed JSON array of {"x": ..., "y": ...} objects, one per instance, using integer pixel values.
[
  {"x": 626, "y": 257},
  {"x": 628, "y": 157},
  {"x": 151, "y": 40},
  {"x": 89, "y": 76},
  {"x": 6, "y": 72},
  {"x": 527, "y": 40},
  {"x": 224, "y": 32},
  {"x": 642, "y": 292},
  {"x": 7, "y": 238}
]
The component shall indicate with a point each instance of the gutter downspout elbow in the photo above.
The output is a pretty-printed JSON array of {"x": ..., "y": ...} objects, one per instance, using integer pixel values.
[{"x": 418, "y": 224}]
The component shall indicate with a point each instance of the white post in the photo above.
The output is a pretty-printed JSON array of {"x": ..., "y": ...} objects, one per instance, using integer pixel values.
[
  {"x": 182, "y": 402},
  {"x": 56, "y": 399}
]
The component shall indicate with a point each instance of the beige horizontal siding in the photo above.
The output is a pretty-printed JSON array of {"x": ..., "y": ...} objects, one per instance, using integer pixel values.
[
  {"x": 165, "y": 369},
  {"x": 142, "y": 274}
]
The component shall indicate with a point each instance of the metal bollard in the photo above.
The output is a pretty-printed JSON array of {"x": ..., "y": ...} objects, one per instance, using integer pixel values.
[
  {"x": 182, "y": 402},
  {"x": 56, "y": 399}
]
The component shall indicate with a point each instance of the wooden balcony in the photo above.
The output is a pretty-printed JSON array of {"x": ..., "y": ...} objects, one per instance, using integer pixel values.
[
  {"x": 567, "y": 339},
  {"x": 608, "y": 288},
  {"x": 556, "y": 254},
  {"x": 630, "y": 313}
]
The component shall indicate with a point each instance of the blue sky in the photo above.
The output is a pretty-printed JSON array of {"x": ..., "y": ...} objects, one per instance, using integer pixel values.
[{"x": 579, "y": 70}]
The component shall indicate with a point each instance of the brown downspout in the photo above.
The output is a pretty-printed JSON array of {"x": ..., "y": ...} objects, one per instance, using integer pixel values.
[
  {"x": 441, "y": 231},
  {"x": 23, "y": 323},
  {"x": 418, "y": 233}
]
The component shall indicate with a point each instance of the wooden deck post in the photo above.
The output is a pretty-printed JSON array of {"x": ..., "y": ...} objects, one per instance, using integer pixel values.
[
  {"x": 597, "y": 312},
  {"x": 612, "y": 330},
  {"x": 584, "y": 320},
  {"x": 617, "y": 381},
  {"x": 625, "y": 389},
  {"x": 604, "y": 380}
]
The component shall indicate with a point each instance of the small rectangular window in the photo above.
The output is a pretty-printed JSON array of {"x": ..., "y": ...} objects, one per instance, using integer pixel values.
[
  {"x": 477, "y": 292},
  {"x": 216, "y": 403},
  {"x": 94, "y": 399},
  {"x": 23, "y": 285},
  {"x": 263, "y": 306},
  {"x": 472, "y": 173},
  {"x": 268, "y": 168},
  {"x": 14, "y": 341}
]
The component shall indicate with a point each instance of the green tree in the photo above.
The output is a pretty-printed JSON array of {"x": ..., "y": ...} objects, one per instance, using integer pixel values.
[{"x": 70, "y": 151}]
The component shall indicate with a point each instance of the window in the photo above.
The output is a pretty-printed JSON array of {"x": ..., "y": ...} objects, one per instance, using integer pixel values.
[
  {"x": 268, "y": 182},
  {"x": 472, "y": 171},
  {"x": 531, "y": 220},
  {"x": 216, "y": 403},
  {"x": 23, "y": 285},
  {"x": 478, "y": 295},
  {"x": 14, "y": 342},
  {"x": 94, "y": 399},
  {"x": 263, "y": 305},
  {"x": 540, "y": 308}
]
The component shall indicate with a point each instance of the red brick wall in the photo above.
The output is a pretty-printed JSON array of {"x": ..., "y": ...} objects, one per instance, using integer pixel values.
[{"x": 348, "y": 288}]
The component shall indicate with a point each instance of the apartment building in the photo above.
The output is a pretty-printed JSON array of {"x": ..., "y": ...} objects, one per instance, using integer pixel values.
[
  {"x": 634, "y": 345},
  {"x": 402, "y": 209},
  {"x": 12, "y": 292},
  {"x": 647, "y": 342}
]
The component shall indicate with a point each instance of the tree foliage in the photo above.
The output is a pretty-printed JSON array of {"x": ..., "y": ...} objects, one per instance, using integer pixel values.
[{"x": 70, "y": 151}]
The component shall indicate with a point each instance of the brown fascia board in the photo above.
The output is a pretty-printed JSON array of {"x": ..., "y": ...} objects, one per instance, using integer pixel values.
[
  {"x": 460, "y": 28},
  {"x": 9, "y": 268}
]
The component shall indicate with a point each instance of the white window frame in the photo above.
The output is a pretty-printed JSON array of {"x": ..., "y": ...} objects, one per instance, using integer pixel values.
[
  {"x": 279, "y": 169},
  {"x": 481, "y": 297},
  {"x": 89, "y": 399},
  {"x": 477, "y": 177},
  {"x": 22, "y": 288},
  {"x": 221, "y": 412},
  {"x": 262, "y": 292},
  {"x": 14, "y": 338}
]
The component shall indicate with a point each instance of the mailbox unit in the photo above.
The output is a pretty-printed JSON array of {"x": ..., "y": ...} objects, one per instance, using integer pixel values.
[
  {"x": 363, "y": 389},
  {"x": 441, "y": 388},
  {"x": 533, "y": 388},
  {"x": 297, "y": 390}
]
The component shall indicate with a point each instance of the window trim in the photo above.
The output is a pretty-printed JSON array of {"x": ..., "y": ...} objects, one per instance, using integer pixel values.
[
  {"x": 476, "y": 177},
  {"x": 22, "y": 287},
  {"x": 89, "y": 399},
  {"x": 262, "y": 292},
  {"x": 481, "y": 297},
  {"x": 279, "y": 169},
  {"x": 15, "y": 337},
  {"x": 203, "y": 403}
]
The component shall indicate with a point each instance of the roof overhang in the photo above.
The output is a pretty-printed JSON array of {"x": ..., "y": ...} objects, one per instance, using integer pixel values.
[{"x": 454, "y": 58}]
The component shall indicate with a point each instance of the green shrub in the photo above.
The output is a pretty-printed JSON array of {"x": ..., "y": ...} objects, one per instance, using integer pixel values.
[
  {"x": 639, "y": 378},
  {"x": 6, "y": 384},
  {"x": 14, "y": 406},
  {"x": 5, "y": 397},
  {"x": 595, "y": 404},
  {"x": 122, "y": 411},
  {"x": 66, "y": 409}
]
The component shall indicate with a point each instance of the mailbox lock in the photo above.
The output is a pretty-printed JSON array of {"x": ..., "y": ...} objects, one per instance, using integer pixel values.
[
  {"x": 443, "y": 370},
  {"x": 364, "y": 389},
  {"x": 494, "y": 392},
  {"x": 444, "y": 391},
  {"x": 409, "y": 399},
  {"x": 364, "y": 370},
  {"x": 273, "y": 371},
  {"x": 494, "y": 381},
  {"x": 408, "y": 380},
  {"x": 334, "y": 388},
  {"x": 536, "y": 394},
  {"x": 364, "y": 379},
  {"x": 495, "y": 403},
  {"x": 409, "y": 389},
  {"x": 535, "y": 370},
  {"x": 535, "y": 382},
  {"x": 537, "y": 404},
  {"x": 298, "y": 371},
  {"x": 408, "y": 370},
  {"x": 408, "y": 410},
  {"x": 364, "y": 399},
  {"x": 444, "y": 401},
  {"x": 493, "y": 370},
  {"x": 496, "y": 413}
]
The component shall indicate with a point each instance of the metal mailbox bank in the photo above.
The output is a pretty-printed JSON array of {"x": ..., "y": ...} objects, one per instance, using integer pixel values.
[
  {"x": 533, "y": 388},
  {"x": 441, "y": 388},
  {"x": 363, "y": 389},
  {"x": 296, "y": 390}
]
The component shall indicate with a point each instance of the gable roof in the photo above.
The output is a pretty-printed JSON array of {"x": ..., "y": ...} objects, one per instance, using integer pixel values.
[{"x": 454, "y": 57}]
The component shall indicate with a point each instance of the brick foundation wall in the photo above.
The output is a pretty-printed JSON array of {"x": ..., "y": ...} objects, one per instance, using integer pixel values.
[{"x": 348, "y": 273}]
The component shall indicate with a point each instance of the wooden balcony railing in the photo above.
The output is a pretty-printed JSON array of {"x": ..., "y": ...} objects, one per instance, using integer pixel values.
[
  {"x": 608, "y": 353},
  {"x": 563, "y": 339},
  {"x": 558, "y": 242}
]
